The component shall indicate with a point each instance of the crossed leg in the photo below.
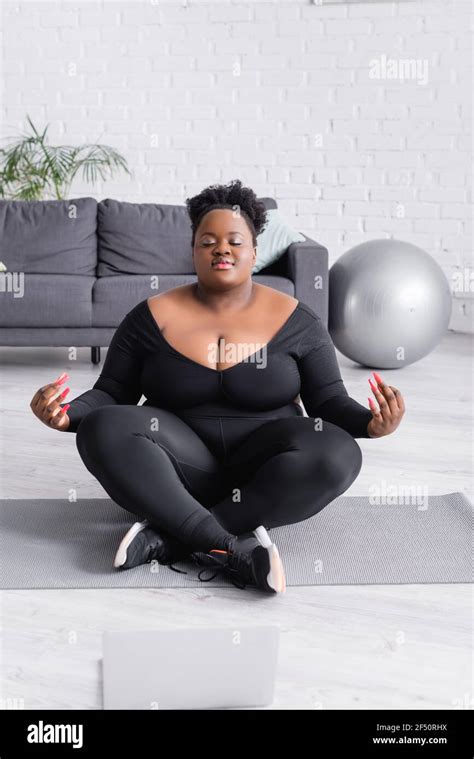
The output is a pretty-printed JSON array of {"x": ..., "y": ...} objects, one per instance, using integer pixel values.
[
  {"x": 285, "y": 472},
  {"x": 152, "y": 464}
]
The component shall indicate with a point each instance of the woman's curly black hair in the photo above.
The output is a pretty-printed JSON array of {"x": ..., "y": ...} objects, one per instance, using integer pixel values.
[{"x": 229, "y": 196}]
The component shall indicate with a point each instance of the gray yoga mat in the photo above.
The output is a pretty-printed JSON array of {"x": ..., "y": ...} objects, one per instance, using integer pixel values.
[{"x": 52, "y": 543}]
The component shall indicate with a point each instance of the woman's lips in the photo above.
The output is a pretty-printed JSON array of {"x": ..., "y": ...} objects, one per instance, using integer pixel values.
[{"x": 222, "y": 265}]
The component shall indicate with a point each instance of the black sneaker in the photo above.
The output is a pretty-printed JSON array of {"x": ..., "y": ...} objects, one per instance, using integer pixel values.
[
  {"x": 142, "y": 543},
  {"x": 251, "y": 559}
]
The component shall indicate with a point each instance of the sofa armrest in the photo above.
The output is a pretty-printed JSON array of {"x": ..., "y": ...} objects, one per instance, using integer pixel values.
[{"x": 307, "y": 267}]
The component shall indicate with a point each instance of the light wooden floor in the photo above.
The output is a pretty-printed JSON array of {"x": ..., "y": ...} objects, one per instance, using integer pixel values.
[{"x": 342, "y": 647}]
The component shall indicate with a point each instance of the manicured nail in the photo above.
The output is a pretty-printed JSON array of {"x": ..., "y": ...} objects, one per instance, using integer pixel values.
[
  {"x": 60, "y": 376},
  {"x": 370, "y": 402},
  {"x": 378, "y": 378},
  {"x": 64, "y": 408},
  {"x": 372, "y": 384},
  {"x": 65, "y": 392},
  {"x": 62, "y": 380}
]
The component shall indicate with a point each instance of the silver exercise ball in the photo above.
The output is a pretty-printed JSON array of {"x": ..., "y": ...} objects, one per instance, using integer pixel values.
[{"x": 389, "y": 303}]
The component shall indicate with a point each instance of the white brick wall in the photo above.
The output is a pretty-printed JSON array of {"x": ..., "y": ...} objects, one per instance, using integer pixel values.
[{"x": 275, "y": 93}]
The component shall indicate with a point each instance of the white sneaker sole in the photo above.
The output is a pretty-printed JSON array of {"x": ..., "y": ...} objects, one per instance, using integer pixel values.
[
  {"x": 121, "y": 555},
  {"x": 276, "y": 576}
]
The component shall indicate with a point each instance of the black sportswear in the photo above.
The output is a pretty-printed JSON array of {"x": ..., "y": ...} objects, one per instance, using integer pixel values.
[
  {"x": 213, "y": 454},
  {"x": 299, "y": 359}
]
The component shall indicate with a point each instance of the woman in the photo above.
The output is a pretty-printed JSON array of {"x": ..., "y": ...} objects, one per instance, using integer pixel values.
[{"x": 220, "y": 451}]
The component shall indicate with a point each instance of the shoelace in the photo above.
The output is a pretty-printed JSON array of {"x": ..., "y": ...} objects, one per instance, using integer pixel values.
[
  {"x": 192, "y": 557},
  {"x": 181, "y": 571},
  {"x": 225, "y": 569},
  {"x": 150, "y": 557},
  {"x": 222, "y": 569}
]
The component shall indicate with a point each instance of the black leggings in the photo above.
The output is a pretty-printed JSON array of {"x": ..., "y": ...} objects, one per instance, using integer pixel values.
[{"x": 207, "y": 477}]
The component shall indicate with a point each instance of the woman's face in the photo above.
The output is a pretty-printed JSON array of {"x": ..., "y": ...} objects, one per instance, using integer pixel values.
[{"x": 223, "y": 236}]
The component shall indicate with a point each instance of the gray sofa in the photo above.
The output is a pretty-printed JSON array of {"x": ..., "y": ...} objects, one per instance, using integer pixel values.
[{"x": 74, "y": 268}]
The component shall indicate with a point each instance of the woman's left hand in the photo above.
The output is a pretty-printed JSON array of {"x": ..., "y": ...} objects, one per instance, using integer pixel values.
[{"x": 388, "y": 416}]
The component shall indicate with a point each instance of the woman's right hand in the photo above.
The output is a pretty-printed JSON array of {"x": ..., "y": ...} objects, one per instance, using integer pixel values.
[{"x": 46, "y": 405}]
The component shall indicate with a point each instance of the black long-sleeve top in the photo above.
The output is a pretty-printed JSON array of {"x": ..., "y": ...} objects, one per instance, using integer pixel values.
[{"x": 299, "y": 359}]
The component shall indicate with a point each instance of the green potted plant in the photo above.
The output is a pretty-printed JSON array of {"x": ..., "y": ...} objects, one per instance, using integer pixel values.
[{"x": 30, "y": 169}]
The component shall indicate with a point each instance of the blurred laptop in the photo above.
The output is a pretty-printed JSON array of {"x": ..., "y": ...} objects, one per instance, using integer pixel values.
[{"x": 190, "y": 668}]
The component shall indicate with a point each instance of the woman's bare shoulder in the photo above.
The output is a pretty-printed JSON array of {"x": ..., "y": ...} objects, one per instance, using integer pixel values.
[
  {"x": 169, "y": 299},
  {"x": 274, "y": 299}
]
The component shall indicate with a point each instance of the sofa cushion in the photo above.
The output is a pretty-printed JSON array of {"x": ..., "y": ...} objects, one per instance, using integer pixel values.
[
  {"x": 145, "y": 238},
  {"x": 274, "y": 240},
  {"x": 49, "y": 236},
  {"x": 113, "y": 297},
  {"x": 55, "y": 300}
]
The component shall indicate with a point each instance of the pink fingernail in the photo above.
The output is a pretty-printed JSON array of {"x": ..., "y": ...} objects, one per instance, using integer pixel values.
[
  {"x": 378, "y": 378},
  {"x": 65, "y": 408},
  {"x": 372, "y": 384},
  {"x": 65, "y": 392}
]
